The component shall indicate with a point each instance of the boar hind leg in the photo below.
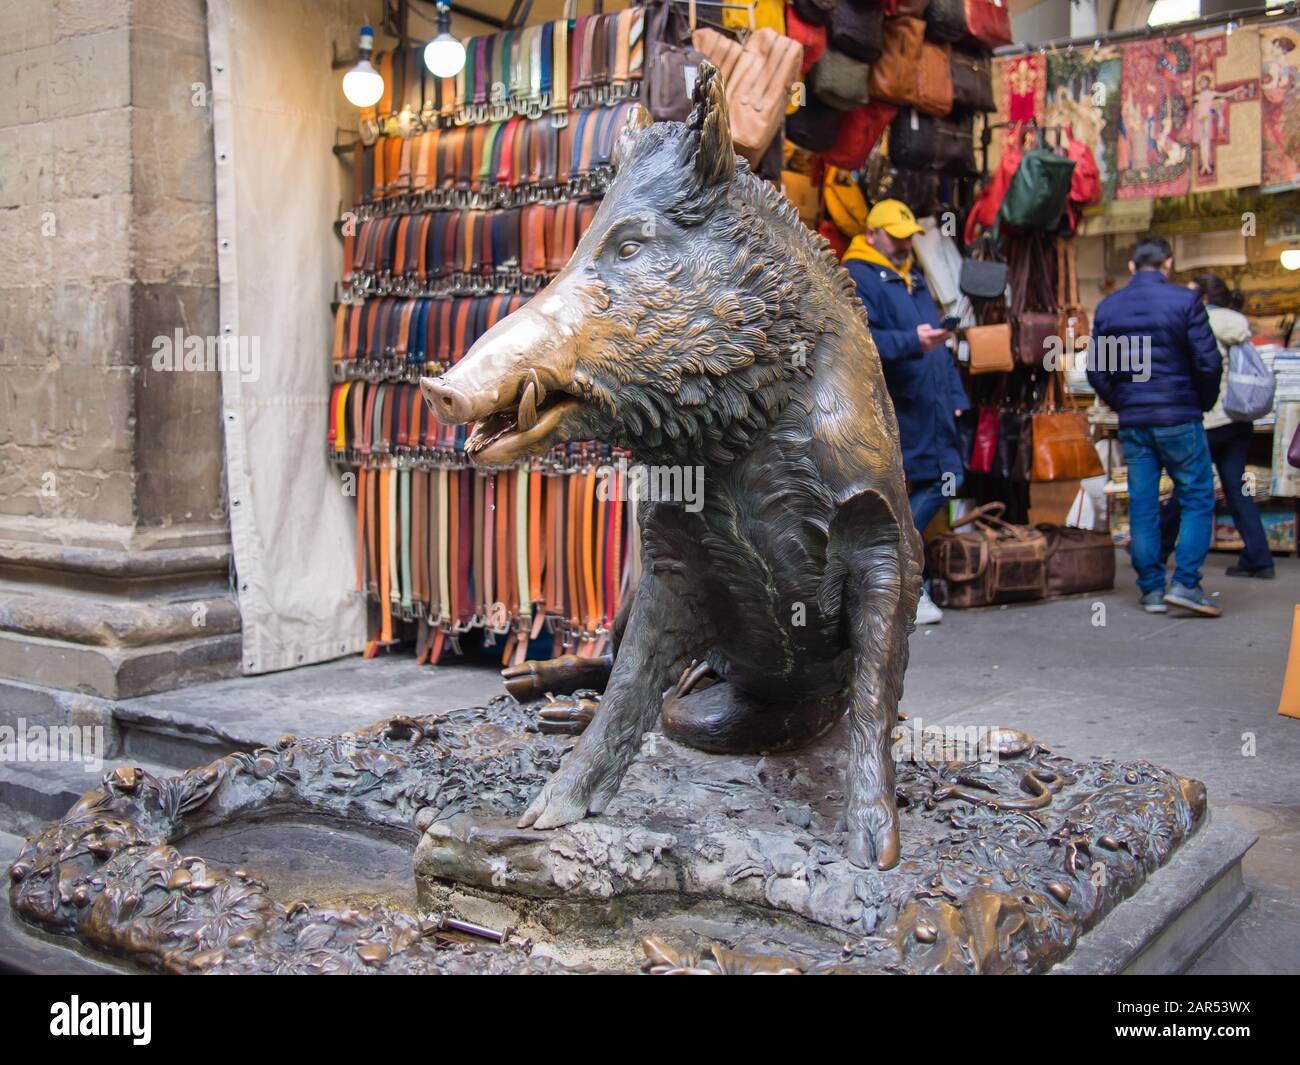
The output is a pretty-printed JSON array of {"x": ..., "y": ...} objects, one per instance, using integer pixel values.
[
  {"x": 662, "y": 633},
  {"x": 882, "y": 585}
]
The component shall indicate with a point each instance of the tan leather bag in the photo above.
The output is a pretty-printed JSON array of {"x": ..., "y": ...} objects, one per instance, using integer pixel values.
[
  {"x": 990, "y": 348},
  {"x": 1063, "y": 448},
  {"x": 893, "y": 77},
  {"x": 758, "y": 82},
  {"x": 934, "y": 79}
]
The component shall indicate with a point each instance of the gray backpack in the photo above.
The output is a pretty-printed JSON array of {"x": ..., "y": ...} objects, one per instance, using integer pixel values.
[{"x": 1248, "y": 390}]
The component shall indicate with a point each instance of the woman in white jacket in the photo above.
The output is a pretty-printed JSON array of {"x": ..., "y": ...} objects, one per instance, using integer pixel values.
[{"x": 1229, "y": 443}]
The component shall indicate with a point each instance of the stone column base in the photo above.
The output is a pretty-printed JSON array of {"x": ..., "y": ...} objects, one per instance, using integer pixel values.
[{"x": 115, "y": 612}]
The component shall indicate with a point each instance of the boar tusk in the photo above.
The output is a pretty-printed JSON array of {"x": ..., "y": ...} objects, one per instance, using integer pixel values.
[
  {"x": 537, "y": 384},
  {"x": 527, "y": 416}
]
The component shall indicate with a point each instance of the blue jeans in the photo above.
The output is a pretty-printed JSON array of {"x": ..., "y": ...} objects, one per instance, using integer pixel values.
[
  {"x": 1229, "y": 447},
  {"x": 1183, "y": 451},
  {"x": 926, "y": 500}
]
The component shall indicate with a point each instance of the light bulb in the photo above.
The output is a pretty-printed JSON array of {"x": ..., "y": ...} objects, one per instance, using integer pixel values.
[
  {"x": 444, "y": 56},
  {"x": 1291, "y": 259},
  {"x": 363, "y": 85}
]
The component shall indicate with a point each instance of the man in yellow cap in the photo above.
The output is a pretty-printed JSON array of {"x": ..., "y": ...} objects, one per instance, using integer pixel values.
[{"x": 919, "y": 370}]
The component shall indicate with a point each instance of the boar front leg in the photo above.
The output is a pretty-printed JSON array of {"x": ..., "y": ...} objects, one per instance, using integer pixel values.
[
  {"x": 880, "y": 601},
  {"x": 662, "y": 633}
]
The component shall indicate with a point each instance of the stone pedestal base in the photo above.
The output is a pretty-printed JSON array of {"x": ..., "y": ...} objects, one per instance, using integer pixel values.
[{"x": 702, "y": 862}]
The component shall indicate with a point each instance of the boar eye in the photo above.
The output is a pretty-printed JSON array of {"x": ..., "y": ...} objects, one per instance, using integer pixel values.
[{"x": 628, "y": 249}]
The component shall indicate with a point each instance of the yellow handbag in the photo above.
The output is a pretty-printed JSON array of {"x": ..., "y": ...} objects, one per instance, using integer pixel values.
[{"x": 845, "y": 203}]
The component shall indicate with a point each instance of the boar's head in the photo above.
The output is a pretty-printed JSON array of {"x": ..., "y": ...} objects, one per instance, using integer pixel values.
[{"x": 675, "y": 330}]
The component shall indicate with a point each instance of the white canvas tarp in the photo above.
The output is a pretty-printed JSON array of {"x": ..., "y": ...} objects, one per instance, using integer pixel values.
[{"x": 276, "y": 108}]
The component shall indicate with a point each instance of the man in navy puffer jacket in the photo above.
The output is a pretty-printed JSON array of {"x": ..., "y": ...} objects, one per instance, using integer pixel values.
[{"x": 1155, "y": 363}]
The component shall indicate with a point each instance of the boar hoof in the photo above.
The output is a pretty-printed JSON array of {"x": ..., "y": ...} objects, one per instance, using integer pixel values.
[
  {"x": 557, "y": 676},
  {"x": 575, "y": 790},
  {"x": 874, "y": 838}
]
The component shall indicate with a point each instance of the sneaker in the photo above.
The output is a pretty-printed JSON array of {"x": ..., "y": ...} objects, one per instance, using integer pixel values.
[
  {"x": 1154, "y": 602},
  {"x": 1193, "y": 599},
  {"x": 1265, "y": 573},
  {"x": 926, "y": 612}
]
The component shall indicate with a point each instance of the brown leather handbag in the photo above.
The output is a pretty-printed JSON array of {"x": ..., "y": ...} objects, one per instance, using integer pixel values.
[
  {"x": 934, "y": 79},
  {"x": 990, "y": 348},
  {"x": 893, "y": 77},
  {"x": 1078, "y": 560},
  {"x": 994, "y": 562},
  {"x": 1063, "y": 448}
]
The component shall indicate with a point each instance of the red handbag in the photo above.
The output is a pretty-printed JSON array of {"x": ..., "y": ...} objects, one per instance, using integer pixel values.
[
  {"x": 813, "y": 38},
  {"x": 1085, "y": 185},
  {"x": 837, "y": 240},
  {"x": 986, "y": 440},
  {"x": 984, "y": 212},
  {"x": 860, "y": 130},
  {"x": 988, "y": 23}
]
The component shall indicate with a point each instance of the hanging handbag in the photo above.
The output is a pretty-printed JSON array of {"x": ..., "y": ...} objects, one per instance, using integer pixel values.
[
  {"x": 1293, "y": 449},
  {"x": 811, "y": 36},
  {"x": 990, "y": 348},
  {"x": 671, "y": 63},
  {"x": 894, "y": 75},
  {"x": 1032, "y": 277},
  {"x": 988, "y": 24},
  {"x": 972, "y": 82},
  {"x": 860, "y": 131},
  {"x": 813, "y": 126},
  {"x": 1038, "y": 192},
  {"x": 857, "y": 28},
  {"x": 904, "y": 8},
  {"x": 845, "y": 203},
  {"x": 923, "y": 142},
  {"x": 839, "y": 81},
  {"x": 1078, "y": 560},
  {"x": 983, "y": 276},
  {"x": 1073, "y": 327},
  {"x": 815, "y": 12},
  {"x": 986, "y": 441},
  {"x": 1063, "y": 448},
  {"x": 1010, "y": 426},
  {"x": 983, "y": 280},
  {"x": 945, "y": 21},
  {"x": 758, "y": 79},
  {"x": 934, "y": 82}
]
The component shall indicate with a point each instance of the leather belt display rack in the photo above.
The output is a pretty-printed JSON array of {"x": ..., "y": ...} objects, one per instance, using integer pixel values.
[{"x": 461, "y": 211}]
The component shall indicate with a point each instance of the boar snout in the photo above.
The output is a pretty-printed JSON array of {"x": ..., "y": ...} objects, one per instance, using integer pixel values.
[{"x": 449, "y": 405}]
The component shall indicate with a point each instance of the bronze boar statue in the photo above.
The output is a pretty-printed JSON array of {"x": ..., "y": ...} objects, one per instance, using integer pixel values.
[{"x": 699, "y": 323}]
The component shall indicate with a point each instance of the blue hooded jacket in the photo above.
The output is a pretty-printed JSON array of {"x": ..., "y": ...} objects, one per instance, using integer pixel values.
[
  {"x": 1184, "y": 360},
  {"x": 925, "y": 386}
]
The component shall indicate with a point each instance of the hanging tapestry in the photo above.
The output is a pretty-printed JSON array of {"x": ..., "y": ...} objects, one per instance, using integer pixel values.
[
  {"x": 1153, "y": 153},
  {"x": 1225, "y": 109},
  {"x": 1020, "y": 92},
  {"x": 1279, "y": 48},
  {"x": 1083, "y": 94}
]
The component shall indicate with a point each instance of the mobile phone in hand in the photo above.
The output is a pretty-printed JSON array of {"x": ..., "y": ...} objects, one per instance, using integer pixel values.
[{"x": 950, "y": 323}]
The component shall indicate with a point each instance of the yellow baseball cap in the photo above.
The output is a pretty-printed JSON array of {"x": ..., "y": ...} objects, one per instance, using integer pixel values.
[{"x": 895, "y": 218}]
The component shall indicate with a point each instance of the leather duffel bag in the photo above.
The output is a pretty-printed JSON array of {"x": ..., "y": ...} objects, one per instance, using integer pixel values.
[
  {"x": 1078, "y": 560},
  {"x": 994, "y": 562},
  {"x": 923, "y": 142}
]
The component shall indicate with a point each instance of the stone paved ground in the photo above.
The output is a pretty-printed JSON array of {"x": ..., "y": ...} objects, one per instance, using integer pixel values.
[{"x": 1188, "y": 693}]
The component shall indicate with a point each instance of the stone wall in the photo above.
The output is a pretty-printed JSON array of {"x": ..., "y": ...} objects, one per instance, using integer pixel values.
[{"x": 114, "y": 545}]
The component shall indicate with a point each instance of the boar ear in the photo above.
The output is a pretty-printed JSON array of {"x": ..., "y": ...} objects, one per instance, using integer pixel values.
[
  {"x": 638, "y": 119},
  {"x": 715, "y": 158}
]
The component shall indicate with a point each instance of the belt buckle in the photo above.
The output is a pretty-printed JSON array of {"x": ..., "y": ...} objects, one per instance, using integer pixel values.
[{"x": 559, "y": 119}]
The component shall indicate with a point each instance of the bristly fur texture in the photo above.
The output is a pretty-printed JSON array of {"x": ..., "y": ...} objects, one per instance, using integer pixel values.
[{"x": 700, "y": 364}]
